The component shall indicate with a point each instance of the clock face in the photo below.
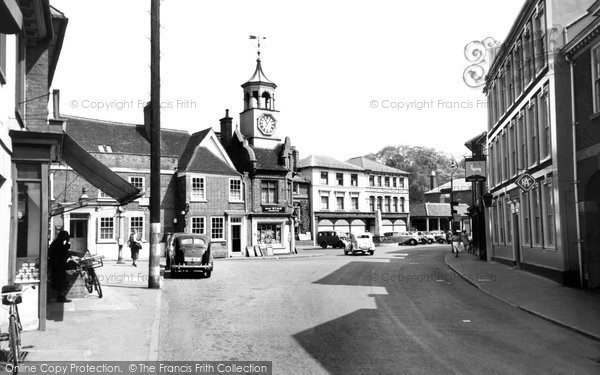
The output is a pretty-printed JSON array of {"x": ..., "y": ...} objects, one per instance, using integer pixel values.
[{"x": 266, "y": 124}]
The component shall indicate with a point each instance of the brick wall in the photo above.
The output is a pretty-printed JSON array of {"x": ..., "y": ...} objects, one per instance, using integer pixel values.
[
  {"x": 588, "y": 129},
  {"x": 36, "y": 107}
]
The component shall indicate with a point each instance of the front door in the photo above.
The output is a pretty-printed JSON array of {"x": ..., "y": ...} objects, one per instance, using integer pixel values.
[
  {"x": 78, "y": 232},
  {"x": 516, "y": 240}
]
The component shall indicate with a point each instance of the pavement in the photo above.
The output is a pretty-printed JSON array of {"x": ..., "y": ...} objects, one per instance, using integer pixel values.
[
  {"x": 129, "y": 313},
  {"x": 571, "y": 308}
]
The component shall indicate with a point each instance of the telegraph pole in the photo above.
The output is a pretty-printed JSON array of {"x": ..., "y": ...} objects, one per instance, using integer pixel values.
[{"x": 154, "y": 264}]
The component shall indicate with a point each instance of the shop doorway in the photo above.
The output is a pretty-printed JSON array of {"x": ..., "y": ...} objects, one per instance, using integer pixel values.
[
  {"x": 236, "y": 236},
  {"x": 516, "y": 240},
  {"x": 78, "y": 230}
]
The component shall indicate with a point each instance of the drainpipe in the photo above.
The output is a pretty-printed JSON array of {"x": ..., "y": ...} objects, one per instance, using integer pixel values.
[{"x": 575, "y": 174}]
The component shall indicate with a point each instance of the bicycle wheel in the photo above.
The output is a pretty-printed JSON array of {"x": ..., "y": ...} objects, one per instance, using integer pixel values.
[
  {"x": 89, "y": 282},
  {"x": 14, "y": 340},
  {"x": 96, "y": 282}
]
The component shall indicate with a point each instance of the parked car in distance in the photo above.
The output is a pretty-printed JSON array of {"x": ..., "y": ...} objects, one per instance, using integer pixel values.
[
  {"x": 332, "y": 238},
  {"x": 360, "y": 243},
  {"x": 439, "y": 236},
  {"x": 408, "y": 238},
  {"x": 424, "y": 237},
  {"x": 189, "y": 252}
]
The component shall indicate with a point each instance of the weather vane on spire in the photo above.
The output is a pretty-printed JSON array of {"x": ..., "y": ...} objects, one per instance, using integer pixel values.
[{"x": 258, "y": 38}]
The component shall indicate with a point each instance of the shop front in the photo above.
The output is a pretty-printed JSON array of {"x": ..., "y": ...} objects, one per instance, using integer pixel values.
[{"x": 272, "y": 233}]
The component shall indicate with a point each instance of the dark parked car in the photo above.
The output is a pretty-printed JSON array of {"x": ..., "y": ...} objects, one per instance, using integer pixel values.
[
  {"x": 189, "y": 252},
  {"x": 332, "y": 238}
]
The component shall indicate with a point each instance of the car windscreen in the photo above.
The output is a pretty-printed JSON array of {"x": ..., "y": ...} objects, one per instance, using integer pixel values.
[{"x": 363, "y": 236}]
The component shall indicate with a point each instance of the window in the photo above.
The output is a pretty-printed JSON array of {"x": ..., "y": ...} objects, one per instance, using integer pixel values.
[
  {"x": 388, "y": 204},
  {"x": 380, "y": 203},
  {"x": 198, "y": 189},
  {"x": 522, "y": 130},
  {"x": 508, "y": 215},
  {"x": 500, "y": 221},
  {"x": 596, "y": 77},
  {"x": 324, "y": 178},
  {"x": 394, "y": 182},
  {"x": 268, "y": 191},
  {"x": 395, "y": 204},
  {"x": 518, "y": 66},
  {"x": 339, "y": 177},
  {"x": 536, "y": 211},
  {"x": 526, "y": 219},
  {"x": 401, "y": 179},
  {"x": 527, "y": 52},
  {"x": 138, "y": 182},
  {"x": 107, "y": 228},
  {"x": 533, "y": 133},
  {"x": 492, "y": 161},
  {"x": 2, "y": 59},
  {"x": 354, "y": 179},
  {"x": 549, "y": 228},
  {"x": 198, "y": 225},
  {"x": 216, "y": 228},
  {"x": 269, "y": 233},
  {"x": 137, "y": 223},
  {"x": 512, "y": 141},
  {"x": 371, "y": 180},
  {"x": 324, "y": 202},
  {"x": 378, "y": 180},
  {"x": 387, "y": 181},
  {"x": 20, "y": 82},
  {"x": 371, "y": 203},
  {"x": 544, "y": 121},
  {"x": 540, "y": 39},
  {"x": 103, "y": 195},
  {"x": 509, "y": 82},
  {"x": 402, "y": 204},
  {"x": 340, "y": 203},
  {"x": 235, "y": 190},
  {"x": 354, "y": 202},
  {"x": 504, "y": 156}
]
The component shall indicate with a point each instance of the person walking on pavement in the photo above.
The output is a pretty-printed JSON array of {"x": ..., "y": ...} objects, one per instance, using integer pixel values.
[
  {"x": 58, "y": 253},
  {"x": 134, "y": 245},
  {"x": 464, "y": 239},
  {"x": 456, "y": 243}
]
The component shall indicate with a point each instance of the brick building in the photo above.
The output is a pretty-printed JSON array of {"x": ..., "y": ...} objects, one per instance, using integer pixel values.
[{"x": 97, "y": 222}]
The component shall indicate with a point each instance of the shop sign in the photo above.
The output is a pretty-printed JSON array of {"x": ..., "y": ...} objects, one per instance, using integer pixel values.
[
  {"x": 273, "y": 209},
  {"x": 475, "y": 170}
]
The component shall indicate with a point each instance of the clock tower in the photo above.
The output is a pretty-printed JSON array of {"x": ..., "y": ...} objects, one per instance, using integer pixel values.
[{"x": 259, "y": 120}]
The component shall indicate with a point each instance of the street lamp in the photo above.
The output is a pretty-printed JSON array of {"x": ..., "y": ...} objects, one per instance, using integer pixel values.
[{"x": 121, "y": 239}]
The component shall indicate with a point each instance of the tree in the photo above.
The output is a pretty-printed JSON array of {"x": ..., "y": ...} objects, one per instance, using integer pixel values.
[{"x": 419, "y": 162}]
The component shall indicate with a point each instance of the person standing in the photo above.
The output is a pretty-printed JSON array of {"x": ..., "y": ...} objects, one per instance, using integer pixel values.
[
  {"x": 456, "y": 243},
  {"x": 134, "y": 245},
  {"x": 58, "y": 253}
]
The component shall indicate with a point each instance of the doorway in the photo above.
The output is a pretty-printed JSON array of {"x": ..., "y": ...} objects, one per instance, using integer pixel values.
[
  {"x": 78, "y": 229},
  {"x": 236, "y": 236},
  {"x": 516, "y": 240}
]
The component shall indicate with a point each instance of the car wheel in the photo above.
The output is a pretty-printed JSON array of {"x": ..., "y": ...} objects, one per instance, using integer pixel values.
[
  {"x": 207, "y": 273},
  {"x": 323, "y": 245},
  {"x": 412, "y": 242},
  {"x": 430, "y": 241},
  {"x": 341, "y": 245},
  {"x": 371, "y": 252}
]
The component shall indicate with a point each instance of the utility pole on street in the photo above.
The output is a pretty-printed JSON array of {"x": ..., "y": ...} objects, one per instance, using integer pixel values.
[{"x": 154, "y": 263}]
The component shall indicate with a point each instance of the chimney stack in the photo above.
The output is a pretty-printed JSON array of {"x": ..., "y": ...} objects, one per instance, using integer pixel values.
[
  {"x": 226, "y": 129},
  {"x": 56, "y": 103},
  {"x": 432, "y": 181}
]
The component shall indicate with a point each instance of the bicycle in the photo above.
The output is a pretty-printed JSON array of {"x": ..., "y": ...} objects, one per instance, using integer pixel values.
[
  {"x": 11, "y": 296},
  {"x": 86, "y": 267}
]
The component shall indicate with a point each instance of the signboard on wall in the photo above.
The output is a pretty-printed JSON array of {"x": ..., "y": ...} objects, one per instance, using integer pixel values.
[
  {"x": 278, "y": 209},
  {"x": 475, "y": 170}
]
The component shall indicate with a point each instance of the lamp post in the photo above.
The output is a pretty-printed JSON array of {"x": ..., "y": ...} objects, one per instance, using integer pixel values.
[{"x": 121, "y": 238}]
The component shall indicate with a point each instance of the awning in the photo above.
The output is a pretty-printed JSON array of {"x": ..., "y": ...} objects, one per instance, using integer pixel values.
[
  {"x": 97, "y": 173},
  {"x": 11, "y": 18}
]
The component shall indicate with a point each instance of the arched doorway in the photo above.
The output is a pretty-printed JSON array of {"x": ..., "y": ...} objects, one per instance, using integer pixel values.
[{"x": 591, "y": 242}]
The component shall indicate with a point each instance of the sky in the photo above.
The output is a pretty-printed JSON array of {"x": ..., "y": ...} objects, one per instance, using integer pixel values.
[{"x": 352, "y": 76}]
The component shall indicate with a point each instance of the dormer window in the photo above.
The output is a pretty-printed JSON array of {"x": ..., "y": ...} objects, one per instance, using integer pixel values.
[
  {"x": 105, "y": 148},
  {"x": 101, "y": 148}
]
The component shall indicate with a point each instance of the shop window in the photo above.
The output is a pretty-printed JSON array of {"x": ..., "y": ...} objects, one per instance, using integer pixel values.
[
  {"x": 198, "y": 225},
  {"x": 269, "y": 233},
  {"x": 217, "y": 228},
  {"x": 29, "y": 219},
  {"x": 549, "y": 226},
  {"x": 198, "y": 189}
]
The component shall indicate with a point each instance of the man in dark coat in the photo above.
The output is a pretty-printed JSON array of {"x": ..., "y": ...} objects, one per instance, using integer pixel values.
[{"x": 58, "y": 253}]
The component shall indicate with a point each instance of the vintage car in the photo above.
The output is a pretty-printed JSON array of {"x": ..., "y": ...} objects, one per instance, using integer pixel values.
[
  {"x": 332, "y": 238},
  {"x": 189, "y": 252},
  {"x": 408, "y": 238},
  {"x": 360, "y": 243}
]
